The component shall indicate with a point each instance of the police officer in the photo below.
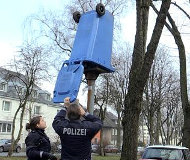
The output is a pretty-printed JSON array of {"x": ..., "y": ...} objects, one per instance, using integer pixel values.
[
  {"x": 37, "y": 143},
  {"x": 75, "y": 134}
]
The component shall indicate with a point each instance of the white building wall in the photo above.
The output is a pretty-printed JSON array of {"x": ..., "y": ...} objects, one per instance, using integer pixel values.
[
  {"x": 47, "y": 111},
  {"x": 144, "y": 134}
]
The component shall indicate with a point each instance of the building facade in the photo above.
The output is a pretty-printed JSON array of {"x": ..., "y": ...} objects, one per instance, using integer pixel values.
[{"x": 39, "y": 104}]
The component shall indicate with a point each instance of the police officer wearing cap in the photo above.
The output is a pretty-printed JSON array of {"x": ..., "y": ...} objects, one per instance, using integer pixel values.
[
  {"x": 76, "y": 134},
  {"x": 37, "y": 142}
]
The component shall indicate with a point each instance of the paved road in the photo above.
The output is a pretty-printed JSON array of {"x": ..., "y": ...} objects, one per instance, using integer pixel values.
[{"x": 21, "y": 154}]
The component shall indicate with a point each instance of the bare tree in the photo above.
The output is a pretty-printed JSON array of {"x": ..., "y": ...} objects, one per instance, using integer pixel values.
[
  {"x": 30, "y": 67},
  {"x": 156, "y": 91},
  {"x": 170, "y": 113},
  {"x": 183, "y": 74},
  {"x": 139, "y": 73},
  {"x": 118, "y": 85},
  {"x": 101, "y": 100}
]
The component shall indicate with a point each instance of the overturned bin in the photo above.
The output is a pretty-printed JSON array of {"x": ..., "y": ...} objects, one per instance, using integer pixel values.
[{"x": 91, "y": 52}]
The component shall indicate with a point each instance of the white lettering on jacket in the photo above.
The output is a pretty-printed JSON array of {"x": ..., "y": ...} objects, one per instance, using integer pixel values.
[{"x": 74, "y": 131}]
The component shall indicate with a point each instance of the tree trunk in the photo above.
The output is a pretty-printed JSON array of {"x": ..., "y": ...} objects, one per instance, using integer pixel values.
[
  {"x": 13, "y": 132},
  {"x": 13, "y": 140},
  {"x": 119, "y": 132},
  {"x": 158, "y": 112},
  {"x": 158, "y": 125},
  {"x": 140, "y": 69},
  {"x": 101, "y": 143},
  {"x": 130, "y": 132},
  {"x": 152, "y": 107},
  {"x": 102, "y": 117},
  {"x": 183, "y": 83},
  {"x": 186, "y": 127},
  {"x": 151, "y": 131}
]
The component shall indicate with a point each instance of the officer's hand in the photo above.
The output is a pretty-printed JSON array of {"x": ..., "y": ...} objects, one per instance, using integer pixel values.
[
  {"x": 82, "y": 111},
  {"x": 67, "y": 102},
  {"x": 52, "y": 157}
]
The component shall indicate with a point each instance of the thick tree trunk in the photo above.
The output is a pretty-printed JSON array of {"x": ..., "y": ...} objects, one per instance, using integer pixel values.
[
  {"x": 140, "y": 69},
  {"x": 130, "y": 132},
  {"x": 186, "y": 128}
]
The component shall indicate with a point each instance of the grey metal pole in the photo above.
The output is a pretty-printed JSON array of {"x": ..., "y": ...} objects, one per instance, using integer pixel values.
[
  {"x": 91, "y": 78},
  {"x": 91, "y": 91}
]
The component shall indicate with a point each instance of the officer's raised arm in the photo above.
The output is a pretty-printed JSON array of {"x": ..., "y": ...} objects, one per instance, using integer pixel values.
[
  {"x": 93, "y": 122},
  {"x": 59, "y": 120},
  {"x": 75, "y": 132}
]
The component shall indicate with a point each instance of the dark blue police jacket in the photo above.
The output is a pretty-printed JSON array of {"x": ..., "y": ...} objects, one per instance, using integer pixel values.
[
  {"x": 37, "y": 143},
  {"x": 76, "y": 135}
]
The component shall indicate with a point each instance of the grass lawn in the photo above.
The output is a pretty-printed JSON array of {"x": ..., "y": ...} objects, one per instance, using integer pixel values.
[
  {"x": 93, "y": 158},
  {"x": 105, "y": 158}
]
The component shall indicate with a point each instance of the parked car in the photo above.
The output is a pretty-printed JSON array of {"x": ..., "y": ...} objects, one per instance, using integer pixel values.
[
  {"x": 5, "y": 145},
  {"x": 94, "y": 148},
  {"x": 166, "y": 152},
  {"x": 111, "y": 149},
  {"x": 59, "y": 148}
]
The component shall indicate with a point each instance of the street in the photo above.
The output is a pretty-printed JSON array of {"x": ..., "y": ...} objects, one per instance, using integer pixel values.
[{"x": 21, "y": 154}]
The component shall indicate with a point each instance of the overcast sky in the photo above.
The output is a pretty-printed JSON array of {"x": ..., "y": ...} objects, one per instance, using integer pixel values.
[{"x": 12, "y": 15}]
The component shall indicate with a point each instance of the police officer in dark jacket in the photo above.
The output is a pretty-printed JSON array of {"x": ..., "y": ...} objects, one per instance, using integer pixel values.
[
  {"x": 37, "y": 143},
  {"x": 75, "y": 134}
]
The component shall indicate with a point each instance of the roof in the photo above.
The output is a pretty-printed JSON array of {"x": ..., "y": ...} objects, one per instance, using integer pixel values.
[
  {"x": 108, "y": 123},
  {"x": 109, "y": 119},
  {"x": 167, "y": 147},
  {"x": 11, "y": 92},
  {"x": 111, "y": 116}
]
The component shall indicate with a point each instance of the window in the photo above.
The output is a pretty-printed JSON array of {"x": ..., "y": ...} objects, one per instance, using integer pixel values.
[
  {"x": 5, "y": 127},
  {"x": 113, "y": 131},
  {"x": 163, "y": 153},
  {"x": 2, "y": 86},
  {"x": 8, "y": 127},
  {"x": 48, "y": 97},
  {"x": 116, "y": 132},
  {"x": 6, "y": 106},
  {"x": 37, "y": 109}
]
